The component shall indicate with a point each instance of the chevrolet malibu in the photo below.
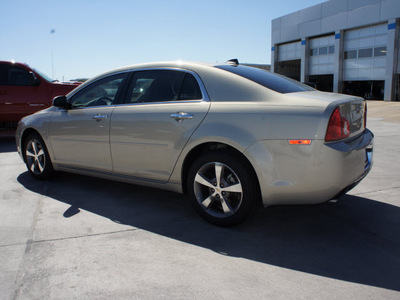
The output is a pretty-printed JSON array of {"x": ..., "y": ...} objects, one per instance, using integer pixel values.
[{"x": 229, "y": 136}]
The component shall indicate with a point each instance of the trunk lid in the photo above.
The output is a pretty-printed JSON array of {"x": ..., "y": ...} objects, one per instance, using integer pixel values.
[{"x": 352, "y": 108}]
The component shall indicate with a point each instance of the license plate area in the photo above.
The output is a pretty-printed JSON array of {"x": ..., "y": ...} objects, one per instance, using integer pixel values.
[{"x": 368, "y": 158}]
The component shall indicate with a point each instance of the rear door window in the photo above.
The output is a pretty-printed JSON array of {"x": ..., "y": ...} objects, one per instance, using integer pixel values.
[
  {"x": 190, "y": 89},
  {"x": 163, "y": 86}
]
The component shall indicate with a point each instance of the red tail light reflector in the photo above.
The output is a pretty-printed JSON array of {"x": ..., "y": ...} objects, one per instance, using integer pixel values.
[{"x": 338, "y": 127}]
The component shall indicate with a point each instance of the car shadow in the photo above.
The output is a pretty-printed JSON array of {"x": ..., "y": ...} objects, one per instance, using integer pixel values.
[{"x": 355, "y": 240}]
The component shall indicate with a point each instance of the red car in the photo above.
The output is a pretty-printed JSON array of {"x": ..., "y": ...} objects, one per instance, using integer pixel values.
[{"x": 24, "y": 90}]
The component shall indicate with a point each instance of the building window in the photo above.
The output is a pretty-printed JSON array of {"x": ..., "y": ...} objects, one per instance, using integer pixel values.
[
  {"x": 380, "y": 51},
  {"x": 364, "y": 53},
  {"x": 351, "y": 54},
  {"x": 323, "y": 50}
]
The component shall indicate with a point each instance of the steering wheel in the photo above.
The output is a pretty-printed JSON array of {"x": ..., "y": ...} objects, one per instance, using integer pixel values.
[{"x": 103, "y": 101}]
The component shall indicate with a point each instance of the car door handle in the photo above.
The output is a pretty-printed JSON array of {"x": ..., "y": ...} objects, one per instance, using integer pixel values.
[
  {"x": 99, "y": 117},
  {"x": 180, "y": 116}
]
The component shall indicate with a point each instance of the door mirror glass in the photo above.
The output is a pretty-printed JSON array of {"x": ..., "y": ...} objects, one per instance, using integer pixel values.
[{"x": 61, "y": 102}]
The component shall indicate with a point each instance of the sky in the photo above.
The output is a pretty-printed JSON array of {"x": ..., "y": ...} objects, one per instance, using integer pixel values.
[{"x": 81, "y": 39}]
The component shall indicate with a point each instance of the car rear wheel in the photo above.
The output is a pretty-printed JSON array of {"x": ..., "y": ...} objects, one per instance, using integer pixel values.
[
  {"x": 37, "y": 158},
  {"x": 221, "y": 188}
]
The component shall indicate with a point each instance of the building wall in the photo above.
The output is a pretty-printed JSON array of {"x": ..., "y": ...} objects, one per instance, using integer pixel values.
[{"x": 341, "y": 29}]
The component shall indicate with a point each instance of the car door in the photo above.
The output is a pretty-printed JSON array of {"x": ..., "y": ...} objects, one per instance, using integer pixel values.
[
  {"x": 163, "y": 108},
  {"x": 79, "y": 136}
]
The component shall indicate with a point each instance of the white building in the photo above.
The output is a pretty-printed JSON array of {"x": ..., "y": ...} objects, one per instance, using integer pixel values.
[{"x": 345, "y": 46}]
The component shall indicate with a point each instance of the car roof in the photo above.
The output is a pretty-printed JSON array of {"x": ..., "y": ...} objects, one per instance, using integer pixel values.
[
  {"x": 192, "y": 66},
  {"x": 221, "y": 85},
  {"x": 13, "y": 63}
]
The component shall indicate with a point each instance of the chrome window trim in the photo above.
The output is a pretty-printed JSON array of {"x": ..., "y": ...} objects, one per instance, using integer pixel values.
[
  {"x": 205, "y": 97},
  {"x": 163, "y": 102},
  {"x": 85, "y": 107}
]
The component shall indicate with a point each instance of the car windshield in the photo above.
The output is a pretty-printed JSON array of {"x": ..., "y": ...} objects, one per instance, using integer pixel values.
[
  {"x": 43, "y": 75},
  {"x": 275, "y": 82}
]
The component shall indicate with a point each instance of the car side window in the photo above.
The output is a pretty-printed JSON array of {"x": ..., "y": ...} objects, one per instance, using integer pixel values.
[
  {"x": 155, "y": 86},
  {"x": 190, "y": 89},
  {"x": 20, "y": 77},
  {"x": 4, "y": 74},
  {"x": 163, "y": 86},
  {"x": 100, "y": 93},
  {"x": 11, "y": 75}
]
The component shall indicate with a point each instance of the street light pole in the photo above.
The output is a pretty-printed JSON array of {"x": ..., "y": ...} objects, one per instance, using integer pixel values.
[{"x": 52, "y": 55}]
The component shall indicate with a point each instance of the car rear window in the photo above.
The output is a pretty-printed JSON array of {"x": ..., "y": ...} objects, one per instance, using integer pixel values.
[{"x": 275, "y": 82}]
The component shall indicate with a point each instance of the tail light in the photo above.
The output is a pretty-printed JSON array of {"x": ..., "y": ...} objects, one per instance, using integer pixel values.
[{"x": 338, "y": 127}]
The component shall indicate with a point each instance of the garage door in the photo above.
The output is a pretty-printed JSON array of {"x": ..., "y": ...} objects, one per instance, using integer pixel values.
[
  {"x": 322, "y": 55},
  {"x": 365, "y": 53},
  {"x": 289, "y": 51}
]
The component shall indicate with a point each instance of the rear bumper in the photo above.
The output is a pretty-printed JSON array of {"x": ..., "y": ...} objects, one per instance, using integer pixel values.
[
  {"x": 362, "y": 144},
  {"x": 310, "y": 174}
]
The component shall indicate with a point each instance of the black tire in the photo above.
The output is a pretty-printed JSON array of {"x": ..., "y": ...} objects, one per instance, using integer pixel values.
[
  {"x": 37, "y": 157},
  {"x": 225, "y": 199}
]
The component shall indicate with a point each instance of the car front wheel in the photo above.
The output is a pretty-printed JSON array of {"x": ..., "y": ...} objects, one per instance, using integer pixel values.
[
  {"x": 37, "y": 158},
  {"x": 221, "y": 188}
]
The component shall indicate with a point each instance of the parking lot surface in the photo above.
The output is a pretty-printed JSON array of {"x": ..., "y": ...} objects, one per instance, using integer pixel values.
[{"x": 77, "y": 237}]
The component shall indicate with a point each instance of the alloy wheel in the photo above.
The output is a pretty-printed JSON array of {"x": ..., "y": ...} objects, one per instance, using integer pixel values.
[
  {"x": 218, "y": 189},
  {"x": 35, "y": 157}
]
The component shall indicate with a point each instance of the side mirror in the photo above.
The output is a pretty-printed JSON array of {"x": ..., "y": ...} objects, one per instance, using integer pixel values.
[
  {"x": 61, "y": 102},
  {"x": 34, "y": 79}
]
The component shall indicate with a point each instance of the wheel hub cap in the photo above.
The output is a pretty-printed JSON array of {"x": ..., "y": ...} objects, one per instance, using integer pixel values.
[
  {"x": 218, "y": 189},
  {"x": 35, "y": 157}
]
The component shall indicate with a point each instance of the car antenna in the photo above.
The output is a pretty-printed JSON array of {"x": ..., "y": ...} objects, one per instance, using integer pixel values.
[{"x": 233, "y": 62}]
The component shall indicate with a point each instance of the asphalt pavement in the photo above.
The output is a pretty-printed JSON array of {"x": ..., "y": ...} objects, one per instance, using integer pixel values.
[{"x": 77, "y": 237}]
